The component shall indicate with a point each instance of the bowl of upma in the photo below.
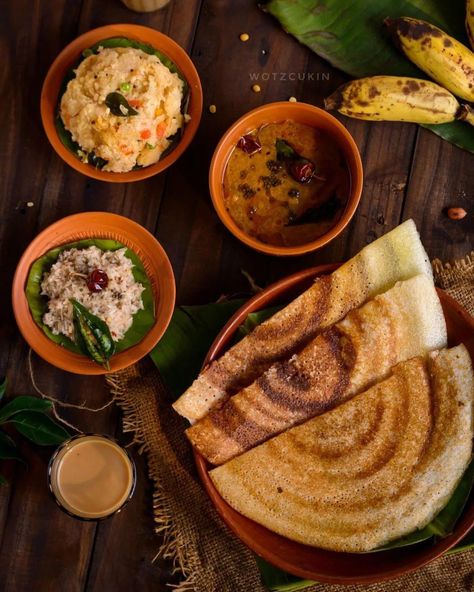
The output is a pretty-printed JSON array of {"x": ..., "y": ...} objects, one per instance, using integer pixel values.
[{"x": 121, "y": 103}]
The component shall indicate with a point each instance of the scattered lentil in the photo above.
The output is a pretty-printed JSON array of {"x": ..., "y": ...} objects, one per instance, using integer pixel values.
[
  {"x": 256, "y": 88},
  {"x": 212, "y": 108},
  {"x": 244, "y": 37}
]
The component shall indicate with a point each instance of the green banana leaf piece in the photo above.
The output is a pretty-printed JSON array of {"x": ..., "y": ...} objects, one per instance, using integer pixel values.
[
  {"x": 66, "y": 137},
  {"x": 180, "y": 353},
  {"x": 351, "y": 36},
  {"x": 143, "y": 320},
  {"x": 278, "y": 580}
]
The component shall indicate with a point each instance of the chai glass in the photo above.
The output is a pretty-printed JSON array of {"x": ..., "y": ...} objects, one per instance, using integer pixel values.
[{"x": 91, "y": 476}]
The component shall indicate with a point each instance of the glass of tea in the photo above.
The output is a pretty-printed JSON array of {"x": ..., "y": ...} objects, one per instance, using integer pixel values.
[{"x": 91, "y": 476}]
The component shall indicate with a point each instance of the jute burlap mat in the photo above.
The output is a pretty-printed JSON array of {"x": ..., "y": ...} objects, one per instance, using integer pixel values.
[{"x": 208, "y": 557}]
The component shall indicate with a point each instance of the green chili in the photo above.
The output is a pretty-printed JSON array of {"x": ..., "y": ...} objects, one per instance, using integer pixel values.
[
  {"x": 92, "y": 335},
  {"x": 125, "y": 86}
]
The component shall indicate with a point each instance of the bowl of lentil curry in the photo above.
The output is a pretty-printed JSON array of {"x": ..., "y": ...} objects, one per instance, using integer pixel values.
[{"x": 286, "y": 178}]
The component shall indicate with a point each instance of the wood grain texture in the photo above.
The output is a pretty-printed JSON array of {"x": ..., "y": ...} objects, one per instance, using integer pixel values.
[
  {"x": 442, "y": 177},
  {"x": 408, "y": 173}
]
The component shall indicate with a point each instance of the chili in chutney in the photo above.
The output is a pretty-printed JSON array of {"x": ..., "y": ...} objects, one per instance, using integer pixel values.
[{"x": 286, "y": 183}]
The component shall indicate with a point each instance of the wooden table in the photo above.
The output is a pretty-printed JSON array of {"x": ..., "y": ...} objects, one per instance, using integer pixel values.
[{"x": 409, "y": 172}]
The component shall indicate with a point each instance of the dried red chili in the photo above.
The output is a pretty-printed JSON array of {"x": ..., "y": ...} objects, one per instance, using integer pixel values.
[
  {"x": 302, "y": 171},
  {"x": 97, "y": 280},
  {"x": 249, "y": 144}
]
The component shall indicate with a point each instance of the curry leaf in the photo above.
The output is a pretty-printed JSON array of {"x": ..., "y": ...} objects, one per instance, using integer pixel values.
[
  {"x": 351, "y": 37},
  {"x": 119, "y": 105},
  {"x": 3, "y": 387},
  {"x": 8, "y": 449},
  {"x": 23, "y": 403},
  {"x": 39, "y": 428},
  {"x": 326, "y": 211},
  {"x": 285, "y": 151}
]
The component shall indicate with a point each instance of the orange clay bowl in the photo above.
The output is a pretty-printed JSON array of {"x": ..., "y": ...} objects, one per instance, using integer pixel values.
[
  {"x": 310, "y": 562},
  {"x": 96, "y": 225},
  {"x": 68, "y": 59},
  {"x": 272, "y": 113}
]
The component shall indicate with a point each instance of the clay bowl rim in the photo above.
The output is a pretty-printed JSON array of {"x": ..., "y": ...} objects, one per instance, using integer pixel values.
[
  {"x": 67, "y": 59},
  {"x": 405, "y": 559},
  {"x": 289, "y": 110},
  {"x": 82, "y": 226}
]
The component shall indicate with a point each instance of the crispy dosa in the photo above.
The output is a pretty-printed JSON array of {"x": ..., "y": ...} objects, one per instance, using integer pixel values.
[
  {"x": 399, "y": 255},
  {"x": 404, "y": 322},
  {"x": 370, "y": 471}
]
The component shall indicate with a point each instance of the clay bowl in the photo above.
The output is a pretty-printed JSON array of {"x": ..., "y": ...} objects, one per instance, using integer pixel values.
[
  {"x": 273, "y": 113},
  {"x": 96, "y": 225},
  {"x": 310, "y": 562},
  {"x": 68, "y": 59}
]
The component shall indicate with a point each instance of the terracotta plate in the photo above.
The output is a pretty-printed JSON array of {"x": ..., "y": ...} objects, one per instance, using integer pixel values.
[
  {"x": 68, "y": 59},
  {"x": 96, "y": 225},
  {"x": 310, "y": 562}
]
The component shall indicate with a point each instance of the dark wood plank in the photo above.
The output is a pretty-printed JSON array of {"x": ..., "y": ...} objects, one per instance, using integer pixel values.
[{"x": 441, "y": 178}]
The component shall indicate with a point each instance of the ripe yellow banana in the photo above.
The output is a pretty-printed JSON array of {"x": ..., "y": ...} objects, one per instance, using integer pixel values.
[
  {"x": 470, "y": 21},
  {"x": 442, "y": 57},
  {"x": 395, "y": 98}
]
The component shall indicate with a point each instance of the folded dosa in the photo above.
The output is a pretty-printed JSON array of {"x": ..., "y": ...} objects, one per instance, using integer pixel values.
[
  {"x": 370, "y": 471},
  {"x": 399, "y": 255},
  {"x": 404, "y": 322}
]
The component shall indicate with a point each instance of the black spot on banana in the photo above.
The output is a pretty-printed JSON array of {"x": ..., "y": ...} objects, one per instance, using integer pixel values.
[
  {"x": 395, "y": 98},
  {"x": 470, "y": 21},
  {"x": 442, "y": 57}
]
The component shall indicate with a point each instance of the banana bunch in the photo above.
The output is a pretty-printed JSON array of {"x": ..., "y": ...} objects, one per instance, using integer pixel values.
[{"x": 393, "y": 98}]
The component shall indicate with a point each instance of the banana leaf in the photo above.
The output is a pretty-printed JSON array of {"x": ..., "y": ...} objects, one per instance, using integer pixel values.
[
  {"x": 66, "y": 137},
  {"x": 181, "y": 351},
  {"x": 179, "y": 356},
  {"x": 143, "y": 320},
  {"x": 351, "y": 36}
]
